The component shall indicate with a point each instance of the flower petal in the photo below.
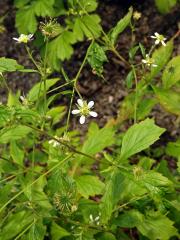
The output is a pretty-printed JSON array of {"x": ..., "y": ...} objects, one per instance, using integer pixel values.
[
  {"x": 144, "y": 61},
  {"x": 82, "y": 119},
  {"x": 76, "y": 111},
  {"x": 153, "y": 37},
  {"x": 30, "y": 36},
  {"x": 16, "y": 39},
  {"x": 90, "y": 104},
  {"x": 163, "y": 43},
  {"x": 80, "y": 102},
  {"x": 156, "y": 34},
  {"x": 93, "y": 114},
  {"x": 157, "y": 42}
]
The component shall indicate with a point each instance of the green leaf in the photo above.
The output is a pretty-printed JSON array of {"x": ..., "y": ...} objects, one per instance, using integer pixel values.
[
  {"x": 129, "y": 79},
  {"x": 129, "y": 219},
  {"x": 43, "y": 8},
  {"x": 139, "y": 137},
  {"x": 106, "y": 236},
  {"x": 120, "y": 26},
  {"x": 15, "y": 224},
  {"x": 96, "y": 58},
  {"x": 100, "y": 139},
  {"x": 161, "y": 57},
  {"x": 88, "y": 26},
  {"x": 57, "y": 232},
  {"x": 171, "y": 74},
  {"x": 26, "y": 20},
  {"x": 164, "y": 6},
  {"x": 56, "y": 113},
  {"x": 144, "y": 107},
  {"x": 112, "y": 194},
  {"x": 37, "y": 90},
  {"x": 14, "y": 133},
  {"x": 9, "y": 65},
  {"x": 17, "y": 153},
  {"x": 37, "y": 231},
  {"x": 60, "y": 48},
  {"x": 89, "y": 185},
  {"x": 169, "y": 99},
  {"x": 173, "y": 149},
  {"x": 157, "y": 227}
]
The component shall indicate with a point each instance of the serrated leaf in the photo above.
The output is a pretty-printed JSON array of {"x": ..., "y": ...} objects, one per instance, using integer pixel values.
[
  {"x": 89, "y": 185},
  {"x": 26, "y": 20},
  {"x": 43, "y": 8},
  {"x": 161, "y": 57},
  {"x": 9, "y": 65},
  {"x": 157, "y": 227},
  {"x": 88, "y": 26},
  {"x": 164, "y": 6},
  {"x": 60, "y": 48},
  {"x": 171, "y": 74},
  {"x": 169, "y": 99},
  {"x": 139, "y": 137},
  {"x": 120, "y": 26}
]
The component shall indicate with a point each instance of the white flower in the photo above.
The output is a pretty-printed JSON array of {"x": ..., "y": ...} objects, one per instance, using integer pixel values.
[
  {"x": 24, "y": 38},
  {"x": 84, "y": 110},
  {"x": 149, "y": 61},
  {"x": 159, "y": 39},
  {"x": 54, "y": 143}
]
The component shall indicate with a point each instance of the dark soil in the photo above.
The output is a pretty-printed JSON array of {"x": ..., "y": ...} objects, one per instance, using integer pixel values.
[{"x": 107, "y": 93}]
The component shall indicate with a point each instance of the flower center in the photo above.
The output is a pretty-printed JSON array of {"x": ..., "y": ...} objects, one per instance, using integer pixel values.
[
  {"x": 24, "y": 39},
  {"x": 160, "y": 37},
  {"x": 85, "y": 109}
]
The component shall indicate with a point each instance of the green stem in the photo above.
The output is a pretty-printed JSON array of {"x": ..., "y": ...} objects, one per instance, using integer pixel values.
[
  {"x": 136, "y": 94},
  {"x": 75, "y": 86}
]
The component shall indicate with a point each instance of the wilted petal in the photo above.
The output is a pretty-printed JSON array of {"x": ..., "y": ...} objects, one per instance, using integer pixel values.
[
  {"x": 93, "y": 114},
  {"x": 80, "y": 102},
  {"x": 76, "y": 111},
  {"x": 82, "y": 119},
  {"x": 90, "y": 104}
]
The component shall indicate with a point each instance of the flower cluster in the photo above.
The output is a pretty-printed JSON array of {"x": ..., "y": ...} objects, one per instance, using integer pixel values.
[{"x": 84, "y": 109}]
